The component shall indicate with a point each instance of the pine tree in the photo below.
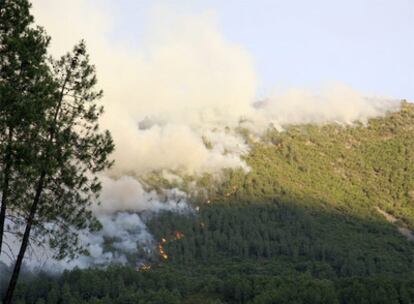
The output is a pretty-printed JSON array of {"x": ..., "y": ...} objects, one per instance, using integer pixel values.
[
  {"x": 25, "y": 88},
  {"x": 70, "y": 150}
]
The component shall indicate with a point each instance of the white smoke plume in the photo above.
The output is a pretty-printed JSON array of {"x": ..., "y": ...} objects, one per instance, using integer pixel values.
[
  {"x": 183, "y": 81},
  {"x": 334, "y": 104},
  {"x": 123, "y": 211},
  {"x": 184, "y": 85}
]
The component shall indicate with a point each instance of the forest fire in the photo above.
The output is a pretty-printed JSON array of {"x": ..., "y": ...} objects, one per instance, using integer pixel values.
[
  {"x": 177, "y": 236},
  {"x": 143, "y": 267},
  {"x": 162, "y": 252}
]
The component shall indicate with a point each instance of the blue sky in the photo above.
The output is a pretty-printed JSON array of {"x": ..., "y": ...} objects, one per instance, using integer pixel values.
[{"x": 368, "y": 44}]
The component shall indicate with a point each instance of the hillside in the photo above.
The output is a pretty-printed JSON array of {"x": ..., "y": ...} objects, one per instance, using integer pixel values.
[
  {"x": 347, "y": 169},
  {"x": 309, "y": 223}
]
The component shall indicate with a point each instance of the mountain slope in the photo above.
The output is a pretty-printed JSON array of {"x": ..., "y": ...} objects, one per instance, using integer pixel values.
[
  {"x": 349, "y": 169},
  {"x": 305, "y": 225}
]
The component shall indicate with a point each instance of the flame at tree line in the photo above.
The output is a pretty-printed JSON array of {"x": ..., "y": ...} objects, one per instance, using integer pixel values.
[{"x": 178, "y": 235}]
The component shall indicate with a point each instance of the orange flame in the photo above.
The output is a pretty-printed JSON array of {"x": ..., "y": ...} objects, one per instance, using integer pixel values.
[
  {"x": 177, "y": 236},
  {"x": 162, "y": 252}
]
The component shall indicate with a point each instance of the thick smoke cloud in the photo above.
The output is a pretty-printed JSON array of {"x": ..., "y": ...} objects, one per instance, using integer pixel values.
[
  {"x": 184, "y": 85},
  {"x": 185, "y": 78},
  {"x": 183, "y": 81}
]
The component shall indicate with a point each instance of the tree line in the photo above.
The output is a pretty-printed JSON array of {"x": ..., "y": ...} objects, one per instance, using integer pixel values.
[{"x": 172, "y": 285}]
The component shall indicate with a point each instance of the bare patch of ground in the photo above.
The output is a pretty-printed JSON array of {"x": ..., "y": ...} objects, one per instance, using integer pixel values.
[{"x": 392, "y": 219}]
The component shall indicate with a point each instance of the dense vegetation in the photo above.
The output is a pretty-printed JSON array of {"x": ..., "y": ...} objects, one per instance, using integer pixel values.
[
  {"x": 300, "y": 227},
  {"x": 348, "y": 169},
  {"x": 230, "y": 283}
]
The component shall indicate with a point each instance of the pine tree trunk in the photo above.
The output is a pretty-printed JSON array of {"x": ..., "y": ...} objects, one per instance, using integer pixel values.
[
  {"x": 39, "y": 188},
  {"x": 29, "y": 222},
  {"x": 25, "y": 242},
  {"x": 5, "y": 187}
]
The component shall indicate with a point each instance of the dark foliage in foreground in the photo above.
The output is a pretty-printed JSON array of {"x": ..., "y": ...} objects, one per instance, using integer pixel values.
[{"x": 234, "y": 282}]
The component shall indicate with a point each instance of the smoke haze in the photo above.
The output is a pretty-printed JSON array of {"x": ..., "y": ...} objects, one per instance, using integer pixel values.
[{"x": 184, "y": 85}]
